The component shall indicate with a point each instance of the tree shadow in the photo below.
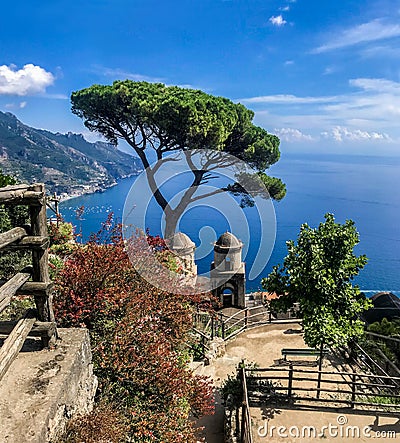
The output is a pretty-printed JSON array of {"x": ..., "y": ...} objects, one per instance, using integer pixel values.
[
  {"x": 269, "y": 412},
  {"x": 293, "y": 331},
  {"x": 281, "y": 362},
  {"x": 385, "y": 428}
]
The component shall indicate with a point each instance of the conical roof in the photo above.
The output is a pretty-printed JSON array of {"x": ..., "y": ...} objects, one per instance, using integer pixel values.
[
  {"x": 385, "y": 300},
  {"x": 228, "y": 240},
  {"x": 180, "y": 241}
]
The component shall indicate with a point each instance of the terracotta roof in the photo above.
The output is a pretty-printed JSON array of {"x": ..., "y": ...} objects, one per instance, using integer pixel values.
[{"x": 267, "y": 296}]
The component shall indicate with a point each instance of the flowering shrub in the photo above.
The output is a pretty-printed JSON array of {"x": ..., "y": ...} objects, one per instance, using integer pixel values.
[
  {"x": 163, "y": 254},
  {"x": 138, "y": 337},
  {"x": 60, "y": 234},
  {"x": 103, "y": 424}
]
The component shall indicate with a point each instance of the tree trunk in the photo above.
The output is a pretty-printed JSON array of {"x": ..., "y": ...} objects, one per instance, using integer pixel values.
[{"x": 171, "y": 223}]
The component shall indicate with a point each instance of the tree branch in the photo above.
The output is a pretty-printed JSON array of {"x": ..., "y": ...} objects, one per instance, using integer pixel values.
[{"x": 209, "y": 194}]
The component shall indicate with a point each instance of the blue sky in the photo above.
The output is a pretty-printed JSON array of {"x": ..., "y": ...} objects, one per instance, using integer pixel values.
[{"x": 323, "y": 75}]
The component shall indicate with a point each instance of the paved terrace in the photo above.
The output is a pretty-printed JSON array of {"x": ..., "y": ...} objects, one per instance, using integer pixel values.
[{"x": 263, "y": 345}]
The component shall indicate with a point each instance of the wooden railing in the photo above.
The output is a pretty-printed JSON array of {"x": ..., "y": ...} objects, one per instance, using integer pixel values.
[{"x": 31, "y": 281}]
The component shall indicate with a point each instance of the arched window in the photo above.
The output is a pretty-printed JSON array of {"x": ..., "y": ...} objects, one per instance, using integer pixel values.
[
  {"x": 228, "y": 265},
  {"x": 227, "y": 298}
]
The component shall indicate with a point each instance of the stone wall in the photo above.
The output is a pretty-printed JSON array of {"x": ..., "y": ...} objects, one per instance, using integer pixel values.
[
  {"x": 216, "y": 350},
  {"x": 43, "y": 389}
]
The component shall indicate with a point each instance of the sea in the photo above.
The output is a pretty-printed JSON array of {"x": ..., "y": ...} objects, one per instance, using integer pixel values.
[{"x": 364, "y": 189}]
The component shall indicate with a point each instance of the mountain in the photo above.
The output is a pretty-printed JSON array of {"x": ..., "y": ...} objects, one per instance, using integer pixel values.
[{"x": 66, "y": 163}]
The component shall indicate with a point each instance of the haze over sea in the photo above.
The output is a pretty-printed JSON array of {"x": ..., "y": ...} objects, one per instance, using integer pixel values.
[{"x": 361, "y": 188}]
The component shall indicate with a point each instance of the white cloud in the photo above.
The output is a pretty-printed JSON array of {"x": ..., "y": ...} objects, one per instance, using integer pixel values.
[
  {"x": 57, "y": 96},
  {"x": 278, "y": 20},
  {"x": 384, "y": 51},
  {"x": 289, "y": 62},
  {"x": 341, "y": 134},
  {"x": 29, "y": 80},
  {"x": 289, "y": 99},
  {"x": 292, "y": 135},
  {"x": 285, "y": 8},
  {"x": 376, "y": 85},
  {"x": 120, "y": 74},
  {"x": 20, "y": 105},
  {"x": 370, "y": 111},
  {"x": 374, "y": 30},
  {"x": 329, "y": 70}
]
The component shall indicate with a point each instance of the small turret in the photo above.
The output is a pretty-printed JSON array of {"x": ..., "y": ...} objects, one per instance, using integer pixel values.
[
  {"x": 181, "y": 245},
  {"x": 228, "y": 271}
]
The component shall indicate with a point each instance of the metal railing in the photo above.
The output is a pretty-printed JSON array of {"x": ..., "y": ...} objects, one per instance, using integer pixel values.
[
  {"x": 220, "y": 325},
  {"x": 245, "y": 422},
  {"x": 322, "y": 388}
]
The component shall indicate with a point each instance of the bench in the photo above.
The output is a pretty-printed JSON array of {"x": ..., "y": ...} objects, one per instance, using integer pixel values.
[{"x": 302, "y": 352}]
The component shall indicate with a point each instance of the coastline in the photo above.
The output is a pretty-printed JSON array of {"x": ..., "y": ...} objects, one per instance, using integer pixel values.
[
  {"x": 325, "y": 187},
  {"x": 92, "y": 189}
]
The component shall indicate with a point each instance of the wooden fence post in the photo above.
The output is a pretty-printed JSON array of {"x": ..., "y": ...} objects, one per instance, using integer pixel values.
[
  {"x": 242, "y": 430},
  {"x": 290, "y": 381},
  {"x": 246, "y": 314},
  {"x": 321, "y": 356},
  {"x": 40, "y": 257},
  {"x": 353, "y": 389},
  {"x": 32, "y": 237}
]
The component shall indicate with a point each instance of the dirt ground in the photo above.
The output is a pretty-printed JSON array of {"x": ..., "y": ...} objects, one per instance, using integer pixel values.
[
  {"x": 263, "y": 346},
  {"x": 305, "y": 426},
  {"x": 260, "y": 345}
]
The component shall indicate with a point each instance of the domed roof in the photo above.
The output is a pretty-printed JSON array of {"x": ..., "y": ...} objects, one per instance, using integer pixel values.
[
  {"x": 180, "y": 241},
  {"x": 228, "y": 240}
]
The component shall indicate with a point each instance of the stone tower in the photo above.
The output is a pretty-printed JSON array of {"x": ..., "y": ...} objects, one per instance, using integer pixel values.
[
  {"x": 228, "y": 272},
  {"x": 181, "y": 245}
]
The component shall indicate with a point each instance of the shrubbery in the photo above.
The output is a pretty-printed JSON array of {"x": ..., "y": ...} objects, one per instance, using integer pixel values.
[
  {"x": 378, "y": 345},
  {"x": 138, "y": 335}
]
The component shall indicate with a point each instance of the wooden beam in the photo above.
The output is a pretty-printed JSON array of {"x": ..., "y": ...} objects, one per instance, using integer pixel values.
[
  {"x": 35, "y": 288},
  {"x": 12, "y": 192},
  {"x": 39, "y": 328},
  {"x": 20, "y": 187},
  {"x": 11, "y": 236},
  {"x": 21, "y": 197},
  {"x": 14, "y": 342},
  {"x": 11, "y": 287},
  {"x": 30, "y": 242}
]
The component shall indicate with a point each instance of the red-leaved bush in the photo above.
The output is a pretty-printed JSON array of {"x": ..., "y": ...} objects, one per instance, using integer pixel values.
[{"x": 139, "y": 339}]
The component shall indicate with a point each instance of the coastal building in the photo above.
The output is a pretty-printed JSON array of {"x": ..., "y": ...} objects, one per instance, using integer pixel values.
[
  {"x": 227, "y": 272},
  {"x": 227, "y": 275},
  {"x": 385, "y": 305},
  {"x": 181, "y": 245}
]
